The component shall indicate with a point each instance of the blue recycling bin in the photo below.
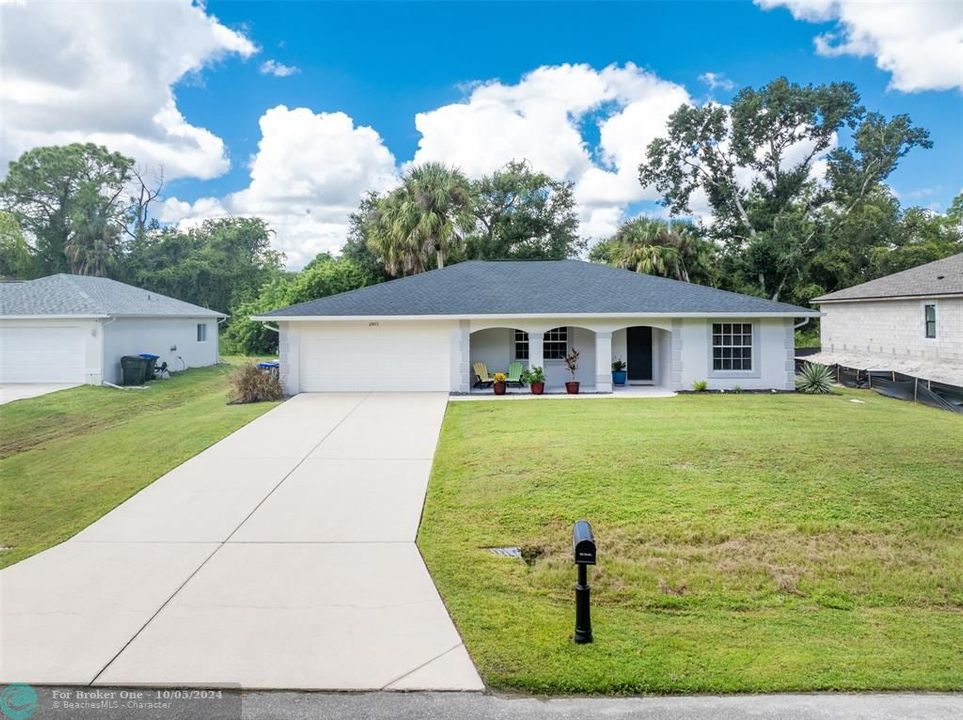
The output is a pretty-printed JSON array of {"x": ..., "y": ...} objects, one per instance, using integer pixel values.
[{"x": 151, "y": 362}]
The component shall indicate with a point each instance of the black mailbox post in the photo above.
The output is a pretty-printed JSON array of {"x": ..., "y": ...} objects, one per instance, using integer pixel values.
[{"x": 583, "y": 551}]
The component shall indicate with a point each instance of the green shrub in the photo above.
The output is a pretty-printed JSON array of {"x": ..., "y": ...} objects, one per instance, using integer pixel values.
[
  {"x": 814, "y": 379},
  {"x": 700, "y": 385},
  {"x": 533, "y": 375},
  {"x": 250, "y": 384}
]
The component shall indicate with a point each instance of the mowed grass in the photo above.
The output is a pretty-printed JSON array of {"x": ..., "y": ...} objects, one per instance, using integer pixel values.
[
  {"x": 747, "y": 543},
  {"x": 68, "y": 458}
]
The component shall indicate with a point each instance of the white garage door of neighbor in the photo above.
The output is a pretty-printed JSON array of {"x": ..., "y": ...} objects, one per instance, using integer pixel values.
[
  {"x": 42, "y": 355},
  {"x": 361, "y": 359}
]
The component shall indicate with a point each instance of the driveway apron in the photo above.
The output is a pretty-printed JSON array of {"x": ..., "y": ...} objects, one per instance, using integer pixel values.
[{"x": 281, "y": 557}]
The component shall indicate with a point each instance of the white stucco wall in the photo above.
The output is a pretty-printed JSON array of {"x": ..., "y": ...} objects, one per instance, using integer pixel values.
[
  {"x": 894, "y": 328},
  {"x": 400, "y": 355},
  {"x": 173, "y": 339},
  {"x": 772, "y": 366}
]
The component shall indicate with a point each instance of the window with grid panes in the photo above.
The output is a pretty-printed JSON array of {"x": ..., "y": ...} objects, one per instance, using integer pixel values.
[
  {"x": 555, "y": 344},
  {"x": 521, "y": 345},
  {"x": 732, "y": 346}
]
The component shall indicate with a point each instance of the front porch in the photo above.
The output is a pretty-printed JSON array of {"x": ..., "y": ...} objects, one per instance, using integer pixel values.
[
  {"x": 524, "y": 393},
  {"x": 645, "y": 348}
]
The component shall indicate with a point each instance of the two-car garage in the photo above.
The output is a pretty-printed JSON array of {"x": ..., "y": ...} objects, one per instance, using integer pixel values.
[{"x": 371, "y": 356}]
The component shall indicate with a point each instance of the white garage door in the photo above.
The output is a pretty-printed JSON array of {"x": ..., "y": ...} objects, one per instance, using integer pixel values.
[
  {"x": 38, "y": 354},
  {"x": 386, "y": 357}
]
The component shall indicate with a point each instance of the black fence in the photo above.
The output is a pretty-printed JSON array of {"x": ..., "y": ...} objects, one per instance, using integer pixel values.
[{"x": 898, "y": 385}]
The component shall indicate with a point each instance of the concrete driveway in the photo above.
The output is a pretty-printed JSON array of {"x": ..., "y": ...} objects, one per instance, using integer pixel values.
[
  {"x": 21, "y": 391},
  {"x": 281, "y": 557}
]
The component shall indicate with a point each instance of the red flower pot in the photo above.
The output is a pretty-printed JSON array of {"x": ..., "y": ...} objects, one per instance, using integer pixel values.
[
  {"x": 499, "y": 388},
  {"x": 538, "y": 388},
  {"x": 572, "y": 387}
]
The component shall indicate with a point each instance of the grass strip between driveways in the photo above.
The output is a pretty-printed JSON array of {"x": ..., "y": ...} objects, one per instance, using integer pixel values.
[
  {"x": 746, "y": 542},
  {"x": 68, "y": 458}
]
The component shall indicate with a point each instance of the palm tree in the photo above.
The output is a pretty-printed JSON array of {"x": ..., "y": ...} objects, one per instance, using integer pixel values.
[
  {"x": 392, "y": 235},
  {"x": 422, "y": 218},
  {"x": 651, "y": 246}
]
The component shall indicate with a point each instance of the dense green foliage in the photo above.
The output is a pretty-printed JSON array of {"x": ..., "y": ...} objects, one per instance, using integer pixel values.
[
  {"x": 72, "y": 456},
  {"x": 323, "y": 276},
  {"x": 438, "y": 216},
  {"x": 218, "y": 264},
  {"x": 655, "y": 247},
  {"x": 785, "y": 233},
  {"x": 70, "y": 201},
  {"x": 746, "y": 543},
  {"x": 523, "y": 215}
]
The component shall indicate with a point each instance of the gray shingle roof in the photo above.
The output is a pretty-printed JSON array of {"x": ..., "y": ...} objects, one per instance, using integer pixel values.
[
  {"x": 941, "y": 277},
  {"x": 534, "y": 287},
  {"x": 85, "y": 295}
]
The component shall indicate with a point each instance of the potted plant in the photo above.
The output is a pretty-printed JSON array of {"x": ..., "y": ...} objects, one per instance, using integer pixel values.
[
  {"x": 535, "y": 378},
  {"x": 571, "y": 362},
  {"x": 499, "y": 385},
  {"x": 618, "y": 371}
]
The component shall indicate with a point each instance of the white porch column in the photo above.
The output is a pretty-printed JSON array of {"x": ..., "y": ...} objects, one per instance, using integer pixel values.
[
  {"x": 461, "y": 358},
  {"x": 603, "y": 362},
  {"x": 535, "y": 351}
]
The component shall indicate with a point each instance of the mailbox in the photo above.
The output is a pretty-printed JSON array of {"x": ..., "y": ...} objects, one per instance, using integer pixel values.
[
  {"x": 583, "y": 543},
  {"x": 583, "y": 552}
]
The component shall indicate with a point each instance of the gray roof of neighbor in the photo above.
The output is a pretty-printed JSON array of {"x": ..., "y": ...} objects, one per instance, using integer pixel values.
[
  {"x": 533, "y": 287},
  {"x": 86, "y": 295},
  {"x": 941, "y": 277}
]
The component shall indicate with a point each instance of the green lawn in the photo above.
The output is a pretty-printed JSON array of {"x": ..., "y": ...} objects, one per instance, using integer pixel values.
[
  {"x": 68, "y": 458},
  {"x": 746, "y": 542}
]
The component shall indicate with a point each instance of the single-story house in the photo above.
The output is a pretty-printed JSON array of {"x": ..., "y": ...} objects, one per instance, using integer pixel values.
[
  {"x": 75, "y": 328},
  {"x": 425, "y": 332},
  {"x": 910, "y": 321}
]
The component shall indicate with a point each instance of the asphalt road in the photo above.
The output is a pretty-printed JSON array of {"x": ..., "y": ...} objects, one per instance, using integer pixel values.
[{"x": 111, "y": 704}]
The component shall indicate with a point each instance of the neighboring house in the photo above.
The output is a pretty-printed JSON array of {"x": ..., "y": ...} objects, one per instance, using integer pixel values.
[
  {"x": 75, "y": 329},
  {"x": 424, "y": 332},
  {"x": 914, "y": 316}
]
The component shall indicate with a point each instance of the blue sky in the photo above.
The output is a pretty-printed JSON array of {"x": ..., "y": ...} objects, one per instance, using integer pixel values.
[
  {"x": 383, "y": 62},
  {"x": 357, "y": 66}
]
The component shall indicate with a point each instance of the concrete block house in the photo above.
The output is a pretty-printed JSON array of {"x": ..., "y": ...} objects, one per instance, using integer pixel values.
[{"x": 914, "y": 316}]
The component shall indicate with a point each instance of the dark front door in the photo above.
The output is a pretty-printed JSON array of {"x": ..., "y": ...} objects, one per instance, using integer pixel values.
[{"x": 638, "y": 348}]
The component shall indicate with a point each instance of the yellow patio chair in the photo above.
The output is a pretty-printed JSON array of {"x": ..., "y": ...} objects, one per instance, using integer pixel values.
[{"x": 482, "y": 378}]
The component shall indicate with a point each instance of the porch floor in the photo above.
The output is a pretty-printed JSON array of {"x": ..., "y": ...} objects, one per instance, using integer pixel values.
[{"x": 587, "y": 393}]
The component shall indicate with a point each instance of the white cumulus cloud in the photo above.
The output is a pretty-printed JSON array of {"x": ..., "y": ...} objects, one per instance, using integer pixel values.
[
  {"x": 919, "y": 43},
  {"x": 278, "y": 69},
  {"x": 308, "y": 175},
  {"x": 570, "y": 121},
  {"x": 550, "y": 117},
  {"x": 103, "y": 73},
  {"x": 713, "y": 80}
]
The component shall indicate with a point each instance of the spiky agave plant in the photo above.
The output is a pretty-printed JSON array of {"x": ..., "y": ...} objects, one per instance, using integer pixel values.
[{"x": 814, "y": 379}]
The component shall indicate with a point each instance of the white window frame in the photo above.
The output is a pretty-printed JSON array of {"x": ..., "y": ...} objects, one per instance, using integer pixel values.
[
  {"x": 201, "y": 332},
  {"x": 755, "y": 348}
]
